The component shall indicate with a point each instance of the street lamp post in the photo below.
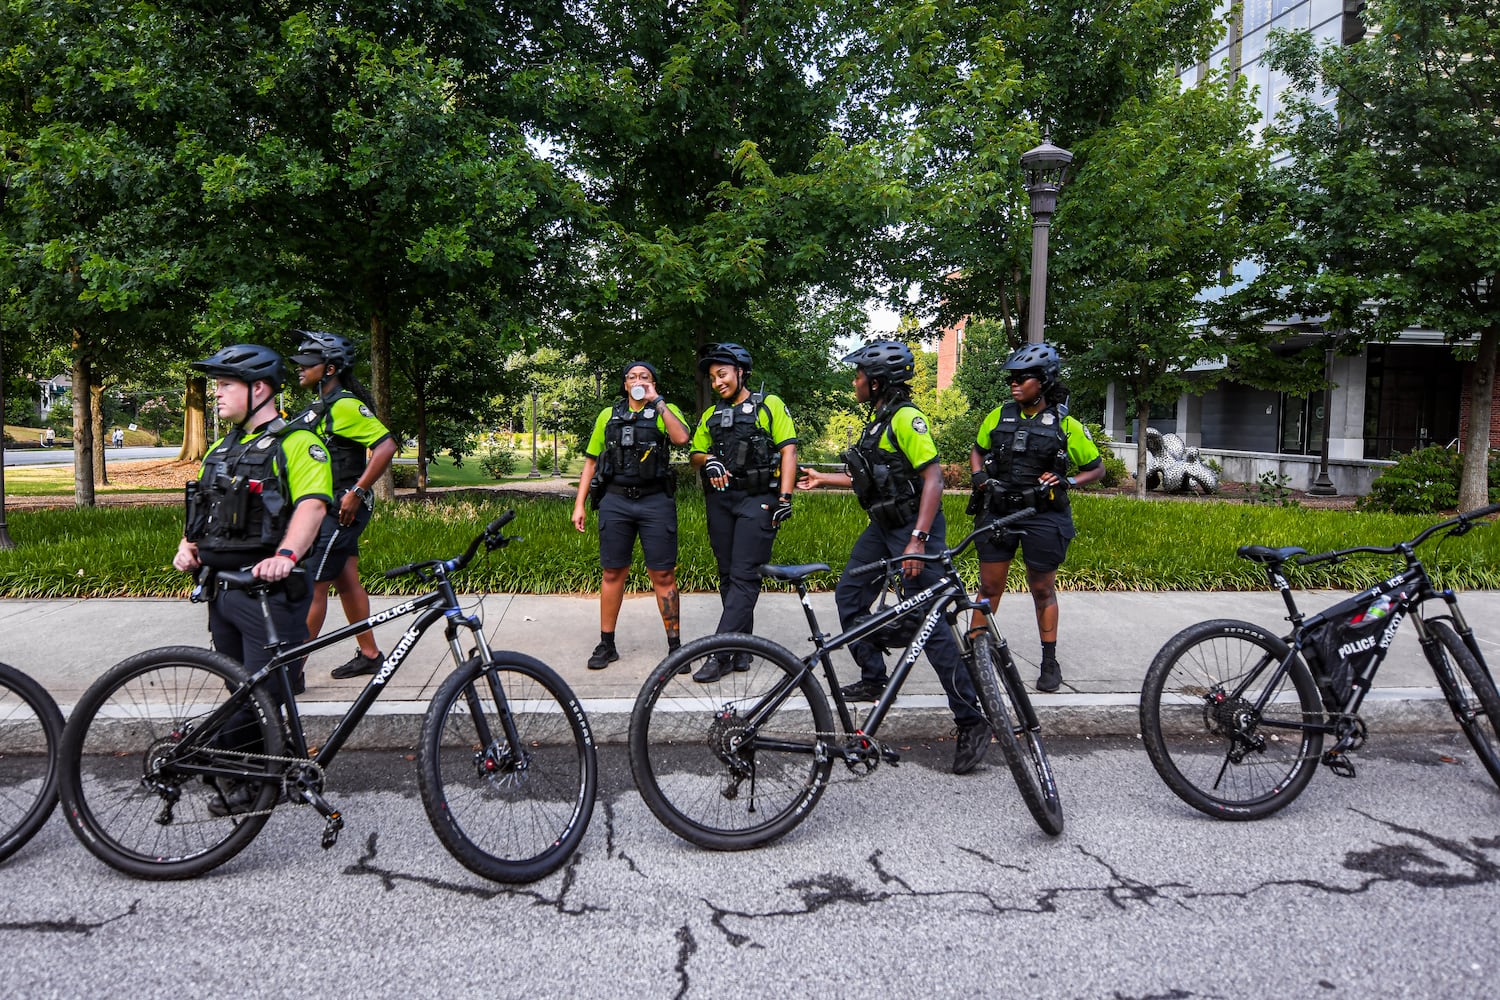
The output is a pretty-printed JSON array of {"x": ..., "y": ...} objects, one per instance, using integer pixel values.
[
  {"x": 533, "y": 474},
  {"x": 1045, "y": 168},
  {"x": 5, "y": 539},
  {"x": 1323, "y": 485}
]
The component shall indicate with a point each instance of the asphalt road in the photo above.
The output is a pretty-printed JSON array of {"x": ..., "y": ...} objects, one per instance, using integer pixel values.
[
  {"x": 64, "y": 456},
  {"x": 909, "y": 882}
]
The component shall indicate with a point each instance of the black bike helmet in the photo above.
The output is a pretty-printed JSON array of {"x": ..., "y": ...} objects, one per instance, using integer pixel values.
[
  {"x": 318, "y": 347},
  {"x": 1041, "y": 358},
  {"x": 723, "y": 354},
  {"x": 888, "y": 360},
  {"x": 246, "y": 363}
]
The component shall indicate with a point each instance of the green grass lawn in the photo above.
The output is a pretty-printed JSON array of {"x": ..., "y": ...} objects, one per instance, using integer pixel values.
[
  {"x": 442, "y": 472},
  {"x": 1122, "y": 544}
]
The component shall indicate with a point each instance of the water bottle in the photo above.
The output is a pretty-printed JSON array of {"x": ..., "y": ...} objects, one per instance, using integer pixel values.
[{"x": 1379, "y": 609}]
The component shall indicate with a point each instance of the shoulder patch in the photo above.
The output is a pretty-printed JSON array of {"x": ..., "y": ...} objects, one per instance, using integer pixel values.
[
  {"x": 364, "y": 411},
  {"x": 316, "y": 453},
  {"x": 919, "y": 425}
]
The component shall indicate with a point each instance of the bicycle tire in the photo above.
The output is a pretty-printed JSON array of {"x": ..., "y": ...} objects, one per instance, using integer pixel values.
[
  {"x": 1475, "y": 703},
  {"x": 30, "y": 730},
  {"x": 1021, "y": 747},
  {"x": 508, "y": 817},
  {"x": 120, "y": 794},
  {"x": 1186, "y": 724},
  {"x": 690, "y": 777}
]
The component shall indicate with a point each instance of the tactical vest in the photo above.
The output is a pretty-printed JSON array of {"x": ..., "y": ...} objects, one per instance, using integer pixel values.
[
  {"x": 238, "y": 509},
  {"x": 346, "y": 457},
  {"x": 885, "y": 484},
  {"x": 636, "y": 451},
  {"x": 1021, "y": 450},
  {"x": 745, "y": 448}
]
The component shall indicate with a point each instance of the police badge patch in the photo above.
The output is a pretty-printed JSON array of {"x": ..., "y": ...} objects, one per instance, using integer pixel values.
[
  {"x": 316, "y": 453},
  {"x": 364, "y": 411},
  {"x": 1048, "y": 418},
  {"x": 747, "y": 407},
  {"x": 919, "y": 425}
]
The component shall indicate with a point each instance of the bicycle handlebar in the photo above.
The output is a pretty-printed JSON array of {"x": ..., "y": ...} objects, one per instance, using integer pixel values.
[
  {"x": 1459, "y": 525},
  {"x": 491, "y": 538},
  {"x": 993, "y": 527}
]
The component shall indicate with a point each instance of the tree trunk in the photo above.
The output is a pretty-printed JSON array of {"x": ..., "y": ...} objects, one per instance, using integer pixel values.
[
  {"x": 419, "y": 400},
  {"x": 1473, "y": 488},
  {"x": 1142, "y": 414},
  {"x": 83, "y": 427},
  {"x": 194, "y": 421},
  {"x": 380, "y": 388},
  {"x": 96, "y": 397}
]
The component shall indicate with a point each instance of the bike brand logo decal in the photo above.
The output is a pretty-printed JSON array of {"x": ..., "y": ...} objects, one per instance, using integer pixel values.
[
  {"x": 394, "y": 657},
  {"x": 1390, "y": 630},
  {"x": 1357, "y": 646},
  {"x": 396, "y": 612}
]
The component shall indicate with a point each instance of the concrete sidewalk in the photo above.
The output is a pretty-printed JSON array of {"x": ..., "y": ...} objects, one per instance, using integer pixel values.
[{"x": 1107, "y": 642}]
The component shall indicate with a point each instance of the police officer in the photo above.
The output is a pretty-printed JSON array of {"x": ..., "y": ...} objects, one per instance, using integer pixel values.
[
  {"x": 745, "y": 447},
  {"x": 257, "y": 503},
  {"x": 898, "y": 480},
  {"x": 361, "y": 449},
  {"x": 1021, "y": 457},
  {"x": 627, "y": 469}
]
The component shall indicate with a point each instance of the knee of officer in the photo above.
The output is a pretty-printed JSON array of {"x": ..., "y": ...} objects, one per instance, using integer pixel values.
[
  {"x": 663, "y": 577},
  {"x": 616, "y": 574},
  {"x": 1043, "y": 587}
]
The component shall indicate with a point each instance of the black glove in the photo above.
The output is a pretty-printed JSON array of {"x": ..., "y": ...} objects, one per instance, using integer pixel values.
[
  {"x": 979, "y": 481},
  {"x": 782, "y": 510},
  {"x": 714, "y": 469}
]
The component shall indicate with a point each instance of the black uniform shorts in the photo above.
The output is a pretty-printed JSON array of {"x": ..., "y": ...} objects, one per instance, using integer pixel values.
[
  {"x": 1043, "y": 547},
  {"x": 652, "y": 518},
  {"x": 336, "y": 542}
]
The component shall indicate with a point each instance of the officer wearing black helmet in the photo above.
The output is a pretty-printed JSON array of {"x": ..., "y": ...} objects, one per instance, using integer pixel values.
[
  {"x": 627, "y": 468},
  {"x": 745, "y": 447},
  {"x": 1021, "y": 457},
  {"x": 361, "y": 449},
  {"x": 257, "y": 503},
  {"x": 898, "y": 480}
]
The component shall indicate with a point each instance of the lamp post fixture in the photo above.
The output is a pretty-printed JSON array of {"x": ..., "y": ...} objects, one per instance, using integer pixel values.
[
  {"x": 1323, "y": 486},
  {"x": 1046, "y": 168},
  {"x": 533, "y": 474},
  {"x": 556, "y": 419}
]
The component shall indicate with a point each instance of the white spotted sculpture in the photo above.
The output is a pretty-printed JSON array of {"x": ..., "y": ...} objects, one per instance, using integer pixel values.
[{"x": 1173, "y": 467}]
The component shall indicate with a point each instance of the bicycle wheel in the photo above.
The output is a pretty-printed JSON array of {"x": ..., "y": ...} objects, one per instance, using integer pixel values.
[
  {"x": 697, "y": 770},
  {"x": 30, "y": 729},
  {"x": 1217, "y": 751},
  {"x": 1475, "y": 702},
  {"x": 1022, "y": 747},
  {"x": 512, "y": 812},
  {"x": 137, "y": 798}
]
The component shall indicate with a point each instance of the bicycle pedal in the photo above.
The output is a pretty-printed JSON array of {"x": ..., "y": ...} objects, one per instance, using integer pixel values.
[
  {"x": 890, "y": 756},
  {"x": 331, "y": 831},
  {"x": 1339, "y": 765}
]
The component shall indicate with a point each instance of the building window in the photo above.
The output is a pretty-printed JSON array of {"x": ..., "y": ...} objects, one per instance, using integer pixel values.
[{"x": 1302, "y": 421}]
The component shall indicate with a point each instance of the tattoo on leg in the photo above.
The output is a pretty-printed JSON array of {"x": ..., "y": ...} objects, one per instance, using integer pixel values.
[{"x": 671, "y": 611}]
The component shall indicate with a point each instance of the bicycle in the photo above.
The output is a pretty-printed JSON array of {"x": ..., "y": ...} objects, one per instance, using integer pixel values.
[
  {"x": 507, "y": 768},
  {"x": 1233, "y": 716},
  {"x": 30, "y": 728},
  {"x": 739, "y": 762}
]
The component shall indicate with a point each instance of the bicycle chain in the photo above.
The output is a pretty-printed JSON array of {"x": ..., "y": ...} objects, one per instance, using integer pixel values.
[{"x": 246, "y": 756}]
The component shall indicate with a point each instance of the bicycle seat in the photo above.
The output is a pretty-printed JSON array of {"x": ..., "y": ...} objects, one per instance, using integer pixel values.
[
  {"x": 1266, "y": 554},
  {"x": 792, "y": 574}
]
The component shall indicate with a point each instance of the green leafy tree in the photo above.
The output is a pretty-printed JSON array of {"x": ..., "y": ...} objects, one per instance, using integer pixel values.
[{"x": 1395, "y": 222}]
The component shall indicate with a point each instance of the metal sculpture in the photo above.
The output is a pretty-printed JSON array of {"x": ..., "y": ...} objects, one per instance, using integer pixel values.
[{"x": 1173, "y": 467}]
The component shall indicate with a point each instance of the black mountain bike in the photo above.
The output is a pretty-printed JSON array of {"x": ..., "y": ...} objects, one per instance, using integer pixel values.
[
  {"x": 1234, "y": 716},
  {"x": 739, "y": 762},
  {"x": 30, "y": 729},
  {"x": 154, "y": 749}
]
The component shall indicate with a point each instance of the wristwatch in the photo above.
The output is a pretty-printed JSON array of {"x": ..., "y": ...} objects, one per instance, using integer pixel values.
[
  {"x": 360, "y": 492},
  {"x": 288, "y": 553},
  {"x": 921, "y": 536}
]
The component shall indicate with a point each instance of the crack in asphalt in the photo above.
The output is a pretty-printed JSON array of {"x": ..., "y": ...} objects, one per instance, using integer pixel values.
[
  {"x": 70, "y": 926},
  {"x": 389, "y": 880},
  {"x": 610, "y": 848}
]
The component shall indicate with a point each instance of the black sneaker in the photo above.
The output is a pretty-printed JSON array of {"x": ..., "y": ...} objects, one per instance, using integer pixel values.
[
  {"x": 973, "y": 744},
  {"x": 231, "y": 798},
  {"x": 1050, "y": 678},
  {"x": 864, "y": 690},
  {"x": 713, "y": 668},
  {"x": 603, "y": 655},
  {"x": 360, "y": 664},
  {"x": 741, "y": 662}
]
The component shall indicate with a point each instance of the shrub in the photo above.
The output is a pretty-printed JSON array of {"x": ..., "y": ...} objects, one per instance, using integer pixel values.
[
  {"x": 1274, "y": 489},
  {"x": 498, "y": 463},
  {"x": 1115, "y": 470},
  {"x": 404, "y": 476},
  {"x": 1423, "y": 482}
]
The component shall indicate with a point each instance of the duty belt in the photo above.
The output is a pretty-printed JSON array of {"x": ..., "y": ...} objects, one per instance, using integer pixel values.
[{"x": 634, "y": 492}]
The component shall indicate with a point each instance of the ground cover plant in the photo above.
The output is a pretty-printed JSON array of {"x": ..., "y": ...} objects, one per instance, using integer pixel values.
[{"x": 1122, "y": 544}]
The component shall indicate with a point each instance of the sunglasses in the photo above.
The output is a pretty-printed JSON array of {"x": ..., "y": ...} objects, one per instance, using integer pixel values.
[{"x": 1017, "y": 378}]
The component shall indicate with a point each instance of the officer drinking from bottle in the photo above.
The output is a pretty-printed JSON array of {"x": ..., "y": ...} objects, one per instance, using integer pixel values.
[
  {"x": 745, "y": 447},
  {"x": 361, "y": 449},
  {"x": 898, "y": 480},
  {"x": 627, "y": 471},
  {"x": 257, "y": 503},
  {"x": 1021, "y": 457}
]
